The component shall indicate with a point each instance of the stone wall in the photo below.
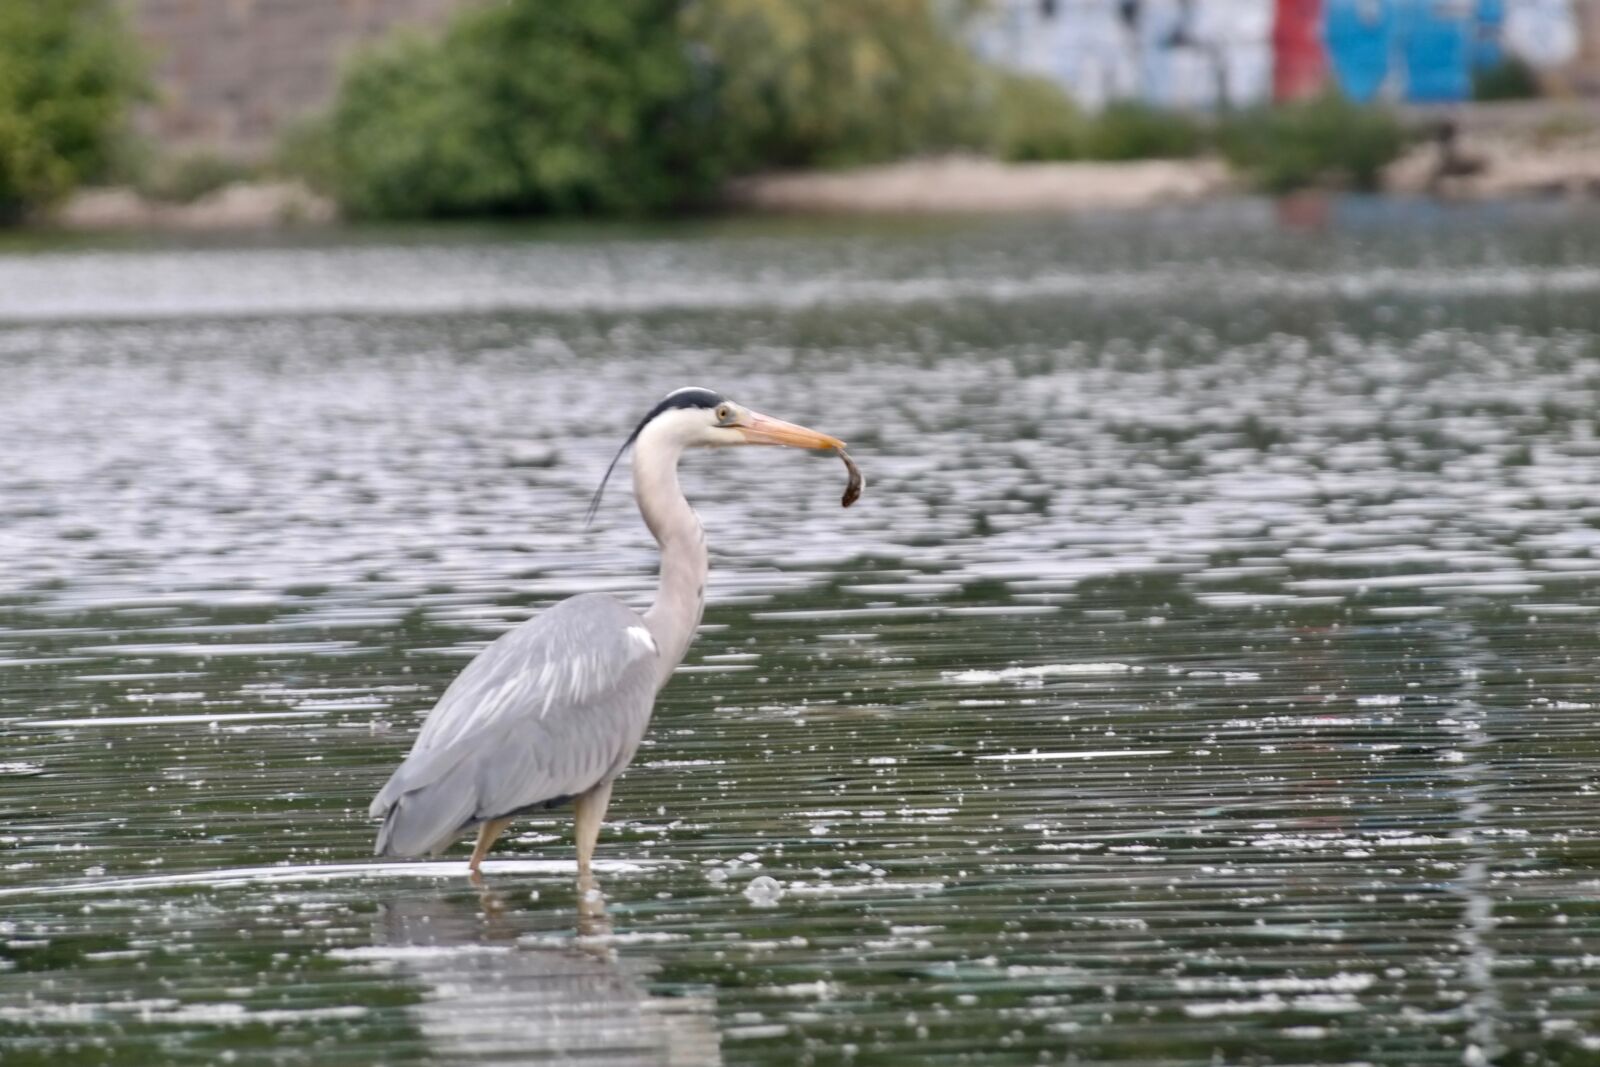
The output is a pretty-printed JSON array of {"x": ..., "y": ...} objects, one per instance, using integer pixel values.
[
  {"x": 231, "y": 74},
  {"x": 1584, "y": 73}
]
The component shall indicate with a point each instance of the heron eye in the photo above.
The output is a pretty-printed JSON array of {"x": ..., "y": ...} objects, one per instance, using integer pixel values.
[{"x": 724, "y": 413}]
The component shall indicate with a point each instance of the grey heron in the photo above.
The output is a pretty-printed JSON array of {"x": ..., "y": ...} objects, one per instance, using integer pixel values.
[{"x": 555, "y": 708}]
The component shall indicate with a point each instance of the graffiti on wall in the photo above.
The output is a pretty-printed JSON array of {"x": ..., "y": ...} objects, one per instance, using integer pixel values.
[{"x": 1205, "y": 53}]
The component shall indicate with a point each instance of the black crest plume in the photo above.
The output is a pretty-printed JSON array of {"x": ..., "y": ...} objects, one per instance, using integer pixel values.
[{"x": 687, "y": 397}]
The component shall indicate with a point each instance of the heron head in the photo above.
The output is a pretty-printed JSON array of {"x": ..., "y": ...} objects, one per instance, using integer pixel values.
[{"x": 702, "y": 418}]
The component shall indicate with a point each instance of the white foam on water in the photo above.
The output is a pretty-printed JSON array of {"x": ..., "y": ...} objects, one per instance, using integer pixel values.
[
  {"x": 234, "y": 877},
  {"x": 170, "y": 720},
  {"x": 207, "y": 651},
  {"x": 802, "y": 889},
  {"x": 414, "y": 952},
  {"x": 168, "y": 1011},
  {"x": 1104, "y": 753},
  {"x": 1047, "y": 670}
]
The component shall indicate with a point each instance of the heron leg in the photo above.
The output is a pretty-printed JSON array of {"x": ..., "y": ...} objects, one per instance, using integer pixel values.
[
  {"x": 487, "y": 832},
  {"x": 591, "y": 809}
]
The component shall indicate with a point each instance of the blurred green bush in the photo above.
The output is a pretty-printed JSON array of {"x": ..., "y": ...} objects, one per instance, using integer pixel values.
[
  {"x": 575, "y": 106},
  {"x": 183, "y": 178},
  {"x": 1034, "y": 122},
  {"x": 526, "y": 107},
  {"x": 1324, "y": 140},
  {"x": 1511, "y": 79},
  {"x": 1128, "y": 130},
  {"x": 801, "y": 83},
  {"x": 68, "y": 73}
]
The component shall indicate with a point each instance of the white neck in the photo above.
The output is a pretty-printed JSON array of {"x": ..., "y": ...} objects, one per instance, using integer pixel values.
[{"x": 674, "y": 617}]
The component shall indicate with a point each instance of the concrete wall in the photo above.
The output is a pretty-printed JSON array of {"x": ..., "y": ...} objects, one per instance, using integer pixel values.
[
  {"x": 1584, "y": 74},
  {"x": 1171, "y": 53},
  {"x": 1193, "y": 53},
  {"x": 231, "y": 74}
]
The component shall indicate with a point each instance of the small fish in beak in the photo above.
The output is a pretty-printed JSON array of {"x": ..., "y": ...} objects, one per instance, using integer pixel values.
[
  {"x": 852, "y": 489},
  {"x": 759, "y": 429}
]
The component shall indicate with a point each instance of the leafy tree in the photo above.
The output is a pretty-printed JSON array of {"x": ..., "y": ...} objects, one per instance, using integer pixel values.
[
  {"x": 824, "y": 82},
  {"x": 1035, "y": 122},
  {"x": 527, "y": 106},
  {"x": 68, "y": 73}
]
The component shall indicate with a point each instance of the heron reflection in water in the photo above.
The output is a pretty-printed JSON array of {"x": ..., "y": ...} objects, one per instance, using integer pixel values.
[
  {"x": 495, "y": 990},
  {"x": 555, "y": 709}
]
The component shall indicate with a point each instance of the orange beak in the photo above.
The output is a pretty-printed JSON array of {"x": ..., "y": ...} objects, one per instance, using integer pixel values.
[{"x": 759, "y": 429}]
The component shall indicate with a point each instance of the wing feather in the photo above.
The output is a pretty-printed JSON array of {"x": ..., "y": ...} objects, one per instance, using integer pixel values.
[{"x": 546, "y": 712}]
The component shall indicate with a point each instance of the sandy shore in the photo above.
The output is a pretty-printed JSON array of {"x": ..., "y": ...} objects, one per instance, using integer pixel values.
[
  {"x": 953, "y": 185},
  {"x": 975, "y": 185},
  {"x": 1502, "y": 151},
  {"x": 1500, "y": 172},
  {"x": 239, "y": 206}
]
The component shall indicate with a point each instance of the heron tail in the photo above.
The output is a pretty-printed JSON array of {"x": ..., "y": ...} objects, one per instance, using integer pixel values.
[{"x": 422, "y": 821}]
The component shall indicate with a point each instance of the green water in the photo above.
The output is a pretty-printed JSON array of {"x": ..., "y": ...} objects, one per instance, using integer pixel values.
[{"x": 1207, "y": 676}]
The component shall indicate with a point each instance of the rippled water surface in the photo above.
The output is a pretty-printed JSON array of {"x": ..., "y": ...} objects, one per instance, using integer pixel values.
[{"x": 1207, "y": 676}]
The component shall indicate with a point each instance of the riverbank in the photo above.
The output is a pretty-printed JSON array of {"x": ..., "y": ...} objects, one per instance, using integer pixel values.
[
  {"x": 957, "y": 185},
  {"x": 243, "y": 205},
  {"x": 973, "y": 185},
  {"x": 1540, "y": 149}
]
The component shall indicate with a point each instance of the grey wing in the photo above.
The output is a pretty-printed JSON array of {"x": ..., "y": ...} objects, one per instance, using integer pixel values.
[{"x": 549, "y": 710}]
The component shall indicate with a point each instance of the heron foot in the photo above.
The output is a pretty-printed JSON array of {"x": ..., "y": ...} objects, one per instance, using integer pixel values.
[{"x": 592, "y": 918}]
